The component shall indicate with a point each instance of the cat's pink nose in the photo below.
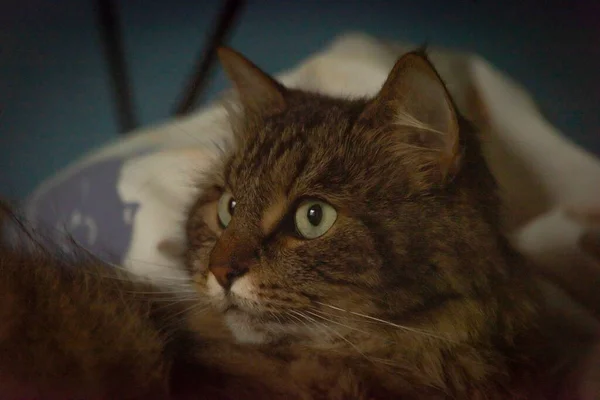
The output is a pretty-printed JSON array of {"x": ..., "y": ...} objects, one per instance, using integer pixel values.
[
  {"x": 226, "y": 274},
  {"x": 232, "y": 256}
]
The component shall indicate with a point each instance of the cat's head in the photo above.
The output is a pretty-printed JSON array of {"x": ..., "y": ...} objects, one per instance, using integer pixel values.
[{"x": 332, "y": 216}]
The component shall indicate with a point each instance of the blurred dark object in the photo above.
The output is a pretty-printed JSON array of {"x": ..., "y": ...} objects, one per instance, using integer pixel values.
[
  {"x": 194, "y": 88},
  {"x": 112, "y": 41}
]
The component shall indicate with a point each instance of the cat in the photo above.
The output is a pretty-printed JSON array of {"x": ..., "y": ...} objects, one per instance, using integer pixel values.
[{"x": 343, "y": 249}]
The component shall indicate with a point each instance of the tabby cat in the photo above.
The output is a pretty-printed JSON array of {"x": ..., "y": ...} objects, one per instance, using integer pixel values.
[{"x": 343, "y": 249}]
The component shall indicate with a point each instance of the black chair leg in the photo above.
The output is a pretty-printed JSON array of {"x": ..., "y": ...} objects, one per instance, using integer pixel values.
[
  {"x": 199, "y": 78},
  {"x": 112, "y": 42}
]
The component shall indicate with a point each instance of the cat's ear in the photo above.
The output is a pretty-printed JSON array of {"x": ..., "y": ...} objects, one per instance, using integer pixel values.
[
  {"x": 415, "y": 101},
  {"x": 257, "y": 90}
]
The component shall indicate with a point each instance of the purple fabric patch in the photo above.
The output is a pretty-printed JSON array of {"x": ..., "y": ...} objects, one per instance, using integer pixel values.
[{"x": 86, "y": 206}]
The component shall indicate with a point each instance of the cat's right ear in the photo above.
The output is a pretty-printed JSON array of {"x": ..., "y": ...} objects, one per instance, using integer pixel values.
[
  {"x": 415, "y": 100},
  {"x": 258, "y": 91}
]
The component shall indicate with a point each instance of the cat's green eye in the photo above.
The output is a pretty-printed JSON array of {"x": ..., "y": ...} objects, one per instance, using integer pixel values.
[
  {"x": 314, "y": 218},
  {"x": 225, "y": 208}
]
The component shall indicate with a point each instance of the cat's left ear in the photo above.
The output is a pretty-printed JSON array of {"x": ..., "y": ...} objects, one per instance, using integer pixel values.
[
  {"x": 415, "y": 102},
  {"x": 258, "y": 91}
]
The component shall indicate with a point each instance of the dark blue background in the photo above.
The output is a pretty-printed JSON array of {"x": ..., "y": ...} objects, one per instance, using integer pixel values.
[{"x": 54, "y": 87}]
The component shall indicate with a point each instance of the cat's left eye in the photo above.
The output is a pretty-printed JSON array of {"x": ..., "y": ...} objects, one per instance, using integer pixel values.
[
  {"x": 314, "y": 218},
  {"x": 225, "y": 208}
]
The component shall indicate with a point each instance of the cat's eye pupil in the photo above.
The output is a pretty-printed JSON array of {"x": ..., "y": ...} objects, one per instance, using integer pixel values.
[
  {"x": 314, "y": 214},
  {"x": 313, "y": 218},
  {"x": 231, "y": 205}
]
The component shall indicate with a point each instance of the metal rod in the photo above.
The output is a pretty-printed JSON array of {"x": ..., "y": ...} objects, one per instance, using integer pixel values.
[
  {"x": 112, "y": 41},
  {"x": 199, "y": 78}
]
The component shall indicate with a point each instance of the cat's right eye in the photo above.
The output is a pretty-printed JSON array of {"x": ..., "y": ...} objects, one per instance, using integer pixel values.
[
  {"x": 225, "y": 208},
  {"x": 314, "y": 218}
]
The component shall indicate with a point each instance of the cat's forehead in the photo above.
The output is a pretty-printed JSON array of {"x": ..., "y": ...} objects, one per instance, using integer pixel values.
[{"x": 300, "y": 149}]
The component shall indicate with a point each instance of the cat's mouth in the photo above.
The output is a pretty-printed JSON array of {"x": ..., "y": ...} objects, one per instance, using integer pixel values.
[
  {"x": 247, "y": 322},
  {"x": 239, "y": 298},
  {"x": 248, "y": 318},
  {"x": 233, "y": 303},
  {"x": 230, "y": 308}
]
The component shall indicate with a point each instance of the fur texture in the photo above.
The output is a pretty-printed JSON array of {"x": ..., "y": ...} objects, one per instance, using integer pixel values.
[{"x": 412, "y": 292}]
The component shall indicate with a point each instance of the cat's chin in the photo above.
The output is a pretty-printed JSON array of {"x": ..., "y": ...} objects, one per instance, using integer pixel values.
[
  {"x": 241, "y": 317},
  {"x": 245, "y": 316},
  {"x": 245, "y": 328},
  {"x": 252, "y": 329}
]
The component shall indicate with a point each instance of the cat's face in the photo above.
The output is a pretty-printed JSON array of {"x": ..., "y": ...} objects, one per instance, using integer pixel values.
[{"x": 330, "y": 216}]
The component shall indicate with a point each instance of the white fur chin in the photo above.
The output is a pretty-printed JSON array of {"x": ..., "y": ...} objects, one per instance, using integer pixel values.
[
  {"x": 242, "y": 328},
  {"x": 239, "y": 323}
]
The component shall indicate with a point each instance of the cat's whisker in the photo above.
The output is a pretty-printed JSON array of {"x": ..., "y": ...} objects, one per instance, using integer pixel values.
[
  {"x": 185, "y": 311},
  {"x": 179, "y": 299},
  {"x": 177, "y": 302},
  {"x": 336, "y": 333},
  {"x": 183, "y": 318},
  {"x": 133, "y": 276},
  {"x": 159, "y": 288},
  {"x": 108, "y": 277},
  {"x": 297, "y": 319},
  {"x": 278, "y": 318},
  {"x": 336, "y": 322},
  {"x": 172, "y": 300},
  {"x": 349, "y": 327},
  {"x": 165, "y": 283},
  {"x": 166, "y": 266},
  {"x": 133, "y": 281},
  {"x": 166, "y": 278},
  {"x": 345, "y": 316},
  {"x": 170, "y": 304},
  {"x": 196, "y": 310},
  {"x": 392, "y": 324},
  {"x": 310, "y": 320},
  {"x": 159, "y": 292}
]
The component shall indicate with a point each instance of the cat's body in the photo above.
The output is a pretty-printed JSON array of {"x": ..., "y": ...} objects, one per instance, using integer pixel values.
[
  {"x": 344, "y": 250},
  {"x": 88, "y": 331}
]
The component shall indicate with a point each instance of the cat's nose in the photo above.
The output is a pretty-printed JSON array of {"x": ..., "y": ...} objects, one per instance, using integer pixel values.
[
  {"x": 232, "y": 255},
  {"x": 226, "y": 274}
]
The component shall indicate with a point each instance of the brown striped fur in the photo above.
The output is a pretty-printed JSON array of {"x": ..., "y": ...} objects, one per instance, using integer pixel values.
[{"x": 413, "y": 293}]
